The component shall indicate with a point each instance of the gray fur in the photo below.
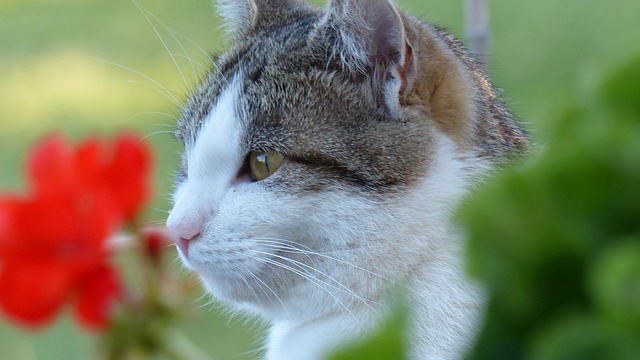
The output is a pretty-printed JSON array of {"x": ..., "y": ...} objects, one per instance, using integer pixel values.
[
  {"x": 385, "y": 114},
  {"x": 291, "y": 72}
]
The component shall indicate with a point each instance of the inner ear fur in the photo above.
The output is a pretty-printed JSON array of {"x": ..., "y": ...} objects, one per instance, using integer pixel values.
[
  {"x": 408, "y": 63},
  {"x": 442, "y": 83},
  {"x": 371, "y": 41}
]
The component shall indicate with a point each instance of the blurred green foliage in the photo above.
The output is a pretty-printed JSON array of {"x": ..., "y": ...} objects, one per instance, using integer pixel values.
[
  {"x": 557, "y": 241},
  {"x": 386, "y": 343}
]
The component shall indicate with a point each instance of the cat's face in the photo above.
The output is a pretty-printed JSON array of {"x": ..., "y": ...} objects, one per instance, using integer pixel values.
[
  {"x": 320, "y": 216},
  {"x": 303, "y": 184}
]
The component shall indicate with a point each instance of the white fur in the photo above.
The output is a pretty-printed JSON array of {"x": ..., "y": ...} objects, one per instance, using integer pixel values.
[
  {"x": 411, "y": 242},
  {"x": 213, "y": 161},
  {"x": 238, "y": 14},
  {"x": 319, "y": 266}
]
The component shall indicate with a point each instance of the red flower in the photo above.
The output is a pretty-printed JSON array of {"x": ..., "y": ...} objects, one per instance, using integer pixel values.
[
  {"x": 53, "y": 243},
  {"x": 155, "y": 239},
  {"x": 120, "y": 173}
]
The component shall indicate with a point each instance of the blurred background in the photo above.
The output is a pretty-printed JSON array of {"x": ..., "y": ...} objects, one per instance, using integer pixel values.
[{"x": 83, "y": 67}]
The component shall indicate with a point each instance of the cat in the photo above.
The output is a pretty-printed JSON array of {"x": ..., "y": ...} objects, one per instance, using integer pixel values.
[{"x": 324, "y": 156}]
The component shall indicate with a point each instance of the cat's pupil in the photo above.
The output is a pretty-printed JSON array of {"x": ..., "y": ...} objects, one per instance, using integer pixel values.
[{"x": 262, "y": 158}]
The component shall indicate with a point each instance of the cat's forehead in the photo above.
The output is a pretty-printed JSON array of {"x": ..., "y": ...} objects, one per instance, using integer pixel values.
[
  {"x": 286, "y": 86},
  {"x": 267, "y": 55},
  {"x": 288, "y": 97}
]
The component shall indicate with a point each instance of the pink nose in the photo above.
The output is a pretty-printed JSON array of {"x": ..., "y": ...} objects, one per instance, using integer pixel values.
[{"x": 183, "y": 233}]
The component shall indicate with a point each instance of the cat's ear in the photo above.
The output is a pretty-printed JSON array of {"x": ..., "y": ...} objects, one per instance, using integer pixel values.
[
  {"x": 371, "y": 41},
  {"x": 243, "y": 16}
]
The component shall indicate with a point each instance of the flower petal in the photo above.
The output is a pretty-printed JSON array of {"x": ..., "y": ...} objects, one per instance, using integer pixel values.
[
  {"x": 49, "y": 164},
  {"x": 89, "y": 161},
  {"x": 68, "y": 225},
  {"x": 8, "y": 208},
  {"x": 32, "y": 292},
  {"x": 128, "y": 174},
  {"x": 97, "y": 298}
]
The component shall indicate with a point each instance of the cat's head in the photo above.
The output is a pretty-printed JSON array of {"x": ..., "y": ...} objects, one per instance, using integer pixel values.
[{"x": 323, "y": 154}]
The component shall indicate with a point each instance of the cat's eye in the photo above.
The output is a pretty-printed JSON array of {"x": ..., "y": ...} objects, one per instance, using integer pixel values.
[{"x": 264, "y": 163}]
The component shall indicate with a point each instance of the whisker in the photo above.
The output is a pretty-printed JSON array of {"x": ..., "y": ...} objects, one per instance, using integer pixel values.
[
  {"x": 192, "y": 60},
  {"x": 159, "y": 113},
  {"x": 271, "y": 290},
  {"x": 162, "y": 91},
  {"x": 154, "y": 223},
  {"x": 147, "y": 14},
  {"x": 255, "y": 295},
  {"x": 208, "y": 302},
  {"x": 164, "y": 125},
  {"x": 340, "y": 287},
  {"x": 160, "y": 210},
  {"x": 154, "y": 84},
  {"x": 283, "y": 245},
  {"x": 204, "y": 52},
  {"x": 293, "y": 247},
  {"x": 311, "y": 278},
  {"x": 157, "y": 133}
]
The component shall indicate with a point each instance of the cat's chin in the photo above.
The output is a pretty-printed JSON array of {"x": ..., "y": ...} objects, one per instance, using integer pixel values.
[
  {"x": 235, "y": 291},
  {"x": 227, "y": 289},
  {"x": 233, "y": 284}
]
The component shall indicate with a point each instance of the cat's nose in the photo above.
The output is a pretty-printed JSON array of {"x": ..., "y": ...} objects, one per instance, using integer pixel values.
[
  {"x": 183, "y": 231},
  {"x": 182, "y": 241}
]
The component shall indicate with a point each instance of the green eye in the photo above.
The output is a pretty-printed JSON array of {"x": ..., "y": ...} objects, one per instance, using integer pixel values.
[{"x": 264, "y": 163}]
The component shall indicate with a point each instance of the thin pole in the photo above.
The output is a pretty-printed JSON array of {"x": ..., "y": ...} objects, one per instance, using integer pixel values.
[{"x": 477, "y": 28}]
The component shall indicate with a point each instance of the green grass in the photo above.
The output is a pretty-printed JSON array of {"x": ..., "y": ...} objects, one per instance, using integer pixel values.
[{"x": 58, "y": 72}]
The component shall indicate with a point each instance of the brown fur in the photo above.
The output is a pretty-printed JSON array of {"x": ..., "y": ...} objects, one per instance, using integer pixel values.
[
  {"x": 385, "y": 123},
  {"x": 289, "y": 79}
]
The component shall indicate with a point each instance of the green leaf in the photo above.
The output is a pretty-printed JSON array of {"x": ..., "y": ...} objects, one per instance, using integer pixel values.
[
  {"x": 615, "y": 282},
  {"x": 622, "y": 89},
  {"x": 584, "y": 337},
  {"x": 556, "y": 241}
]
